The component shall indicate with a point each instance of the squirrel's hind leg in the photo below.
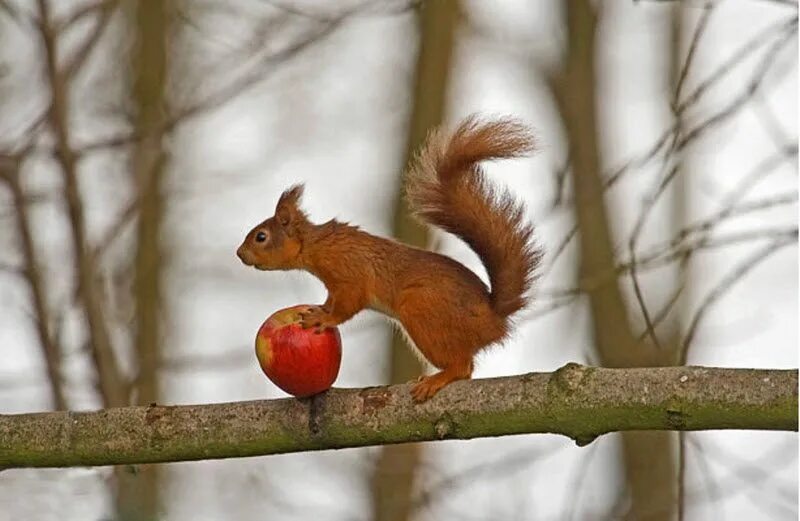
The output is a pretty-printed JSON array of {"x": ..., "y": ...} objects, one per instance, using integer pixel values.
[
  {"x": 436, "y": 329},
  {"x": 430, "y": 385}
]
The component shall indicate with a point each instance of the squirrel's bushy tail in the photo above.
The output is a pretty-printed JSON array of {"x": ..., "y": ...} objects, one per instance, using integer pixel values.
[{"x": 447, "y": 188}]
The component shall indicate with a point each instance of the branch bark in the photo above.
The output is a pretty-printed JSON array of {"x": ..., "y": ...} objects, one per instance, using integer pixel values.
[{"x": 577, "y": 401}]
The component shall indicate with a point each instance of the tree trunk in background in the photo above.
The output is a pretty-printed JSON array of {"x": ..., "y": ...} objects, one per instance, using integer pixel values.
[
  {"x": 137, "y": 493},
  {"x": 680, "y": 208},
  {"x": 396, "y": 467},
  {"x": 648, "y": 457}
]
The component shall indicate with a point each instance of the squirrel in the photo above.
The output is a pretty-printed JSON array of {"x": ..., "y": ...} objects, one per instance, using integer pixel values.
[{"x": 446, "y": 310}]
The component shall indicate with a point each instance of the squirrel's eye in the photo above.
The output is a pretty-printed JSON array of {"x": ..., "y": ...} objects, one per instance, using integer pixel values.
[{"x": 261, "y": 237}]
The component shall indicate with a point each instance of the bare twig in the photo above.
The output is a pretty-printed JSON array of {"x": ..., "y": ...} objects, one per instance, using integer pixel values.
[
  {"x": 648, "y": 205},
  {"x": 772, "y": 127},
  {"x": 66, "y": 22},
  {"x": 700, "y": 30},
  {"x": 109, "y": 375},
  {"x": 668, "y": 306},
  {"x": 656, "y": 258},
  {"x": 13, "y": 12},
  {"x": 784, "y": 28},
  {"x": 750, "y": 90},
  {"x": 752, "y": 45},
  {"x": 764, "y": 168},
  {"x": 233, "y": 88},
  {"x": 560, "y": 184},
  {"x": 6, "y": 267},
  {"x": 787, "y": 28},
  {"x": 662, "y": 256},
  {"x": 50, "y": 347},
  {"x": 725, "y": 285},
  {"x": 637, "y": 290},
  {"x": 104, "y": 9},
  {"x": 685, "y": 240},
  {"x": 113, "y": 232},
  {"x": 359, "y": 8}
]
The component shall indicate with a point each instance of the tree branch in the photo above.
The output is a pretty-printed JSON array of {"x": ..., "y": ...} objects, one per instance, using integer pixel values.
[{"x": 577, "y": 401}]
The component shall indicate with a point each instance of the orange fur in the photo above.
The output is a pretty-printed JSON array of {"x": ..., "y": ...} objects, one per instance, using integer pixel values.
[{"x": 444, "y": 307}]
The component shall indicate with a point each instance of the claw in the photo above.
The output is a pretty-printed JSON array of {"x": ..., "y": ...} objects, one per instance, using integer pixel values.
[
  {"x": 314, "y": 317},
  {"x": 428, "y": 386},
  {"x": 423, "y": 391}
]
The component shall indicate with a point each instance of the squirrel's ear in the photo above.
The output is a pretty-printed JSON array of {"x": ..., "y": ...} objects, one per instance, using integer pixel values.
[{"x": 287, "y": 210}]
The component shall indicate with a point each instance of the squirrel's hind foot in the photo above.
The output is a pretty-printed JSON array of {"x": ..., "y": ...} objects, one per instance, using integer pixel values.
[{"x": 428, "y": 386}]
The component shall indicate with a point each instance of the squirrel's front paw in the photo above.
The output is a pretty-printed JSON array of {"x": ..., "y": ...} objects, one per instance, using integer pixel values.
[{"x": 316, "y": 317}]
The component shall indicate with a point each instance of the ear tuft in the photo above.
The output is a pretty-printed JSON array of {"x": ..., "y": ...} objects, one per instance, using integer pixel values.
[
  {"x": 291, "y": 196},
  {"x": 287, "y": 210}
]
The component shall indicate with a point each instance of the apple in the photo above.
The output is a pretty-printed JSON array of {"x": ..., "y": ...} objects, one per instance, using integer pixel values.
[{"x": 300, "y": 361}]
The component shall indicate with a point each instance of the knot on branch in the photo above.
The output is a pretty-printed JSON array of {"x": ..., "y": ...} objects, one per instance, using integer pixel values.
[
  {"x": 154, "y": 412},
  {"x": 444, "y": 427},
  {"x": 582, "y": 440},
  {"x": 570, "y": 377},
  {"x": 676, "y": 417}
]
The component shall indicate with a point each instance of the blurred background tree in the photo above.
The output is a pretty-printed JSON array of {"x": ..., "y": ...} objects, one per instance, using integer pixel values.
[
  {"x": 438, "y": 21},
  {"x": 139, "y": 140}
]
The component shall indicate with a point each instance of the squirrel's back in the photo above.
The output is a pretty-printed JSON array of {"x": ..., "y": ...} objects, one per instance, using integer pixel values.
[{"x": 447, "y": 188}]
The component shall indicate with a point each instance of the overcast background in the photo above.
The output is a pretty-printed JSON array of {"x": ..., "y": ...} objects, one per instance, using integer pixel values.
[{"x": 335, "y": 115}]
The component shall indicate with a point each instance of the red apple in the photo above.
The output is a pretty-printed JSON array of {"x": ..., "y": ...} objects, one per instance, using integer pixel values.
[{"x": 300, "y": 361}]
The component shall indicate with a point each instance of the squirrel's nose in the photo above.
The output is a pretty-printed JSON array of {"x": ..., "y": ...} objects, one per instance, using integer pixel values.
[{"x": 240, "y": 252}]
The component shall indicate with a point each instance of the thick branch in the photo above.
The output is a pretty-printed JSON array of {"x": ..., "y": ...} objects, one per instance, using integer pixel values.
[{"x": 577, "y": 401}]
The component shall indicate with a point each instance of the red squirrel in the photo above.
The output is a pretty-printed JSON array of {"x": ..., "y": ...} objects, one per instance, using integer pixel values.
[{"x": 446, "y": 310}]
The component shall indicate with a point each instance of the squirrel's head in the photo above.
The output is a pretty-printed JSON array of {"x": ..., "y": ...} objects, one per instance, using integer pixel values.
[{"x": 275, "y": 244}]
